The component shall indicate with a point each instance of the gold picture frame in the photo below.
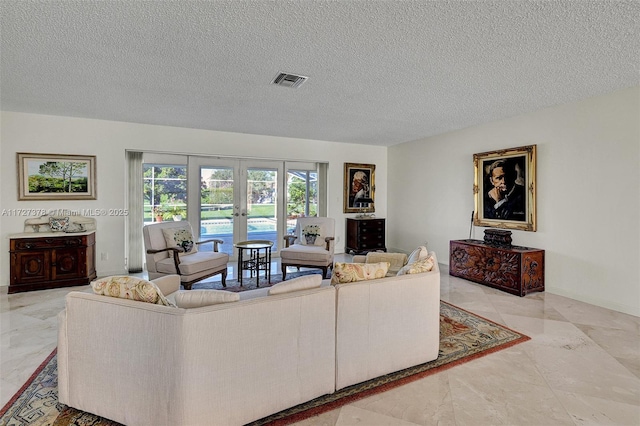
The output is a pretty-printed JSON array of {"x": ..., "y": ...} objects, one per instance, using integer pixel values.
[
  {"x": 359, "y": 188},
  {"x": 505, "y": 188},
  {"x": 56, "y": 176}
]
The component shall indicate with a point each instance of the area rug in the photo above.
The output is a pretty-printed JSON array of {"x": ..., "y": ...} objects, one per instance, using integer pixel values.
[
  {"x": 249, "y": 283},
  {"x": 463, "y": 336}
]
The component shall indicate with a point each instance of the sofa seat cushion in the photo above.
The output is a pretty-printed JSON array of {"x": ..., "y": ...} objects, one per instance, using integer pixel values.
[
  {"x": 194, "y": 263},
  {"x": 305, "y": 253},
  {"x": 132, "y": 288},
  {"x": 354, "y": 272}
]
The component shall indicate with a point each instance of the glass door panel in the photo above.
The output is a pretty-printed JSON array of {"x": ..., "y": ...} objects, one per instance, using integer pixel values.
[
  {"x": 262, "y": 204},
  {"x": 218, "y": 206},
  {"x": 302, "y": 196}
]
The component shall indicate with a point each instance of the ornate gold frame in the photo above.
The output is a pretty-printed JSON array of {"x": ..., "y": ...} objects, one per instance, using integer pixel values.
[
  {"x": 523, "y": 215},
  {"x": 369, "y": 170}
]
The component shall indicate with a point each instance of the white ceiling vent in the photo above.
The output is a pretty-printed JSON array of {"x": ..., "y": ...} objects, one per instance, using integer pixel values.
[{"x": 289, "y": 80}]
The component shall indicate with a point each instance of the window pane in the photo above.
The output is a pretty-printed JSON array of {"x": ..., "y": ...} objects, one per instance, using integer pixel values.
[
  {"x": 302, "y": 196},
  {"x": 165, "y": 192}
]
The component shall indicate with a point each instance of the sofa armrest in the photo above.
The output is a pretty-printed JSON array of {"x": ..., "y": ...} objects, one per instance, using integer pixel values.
[{"x": 359, "y": 258}]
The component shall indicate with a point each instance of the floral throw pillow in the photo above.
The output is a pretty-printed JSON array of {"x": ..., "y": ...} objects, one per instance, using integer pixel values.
[
  {"x": 354, "y": 272},
  {"x": 125, "y": 287},
  {"x": 59, "y": 223},
  {"x": 182, "y": 238},
  {"x": 417, "y": 267},
  {"x": 312, "y": 235}
]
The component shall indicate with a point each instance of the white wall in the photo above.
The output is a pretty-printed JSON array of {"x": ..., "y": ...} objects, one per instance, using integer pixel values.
[
  {"x": 588, "y": 190},
  {"x": 108, "y": 140}
]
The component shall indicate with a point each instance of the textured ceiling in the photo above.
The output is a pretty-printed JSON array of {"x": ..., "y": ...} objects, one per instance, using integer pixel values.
[{"x": 380, "y": 72}]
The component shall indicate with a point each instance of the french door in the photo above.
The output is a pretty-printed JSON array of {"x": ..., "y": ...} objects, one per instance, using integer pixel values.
[{"x": 237, "y": 200}]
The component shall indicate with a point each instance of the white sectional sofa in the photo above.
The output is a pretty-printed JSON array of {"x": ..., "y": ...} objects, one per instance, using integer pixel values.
[
  {"x": 386, "y": 325},
  {"x": 229, "y": 364}
]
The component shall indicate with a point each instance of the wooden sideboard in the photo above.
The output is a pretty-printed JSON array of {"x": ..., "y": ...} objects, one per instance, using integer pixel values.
[
  {"x": 514, "y": 269},
  {"x": 51, "y": 260},
  {"x": 365, "y": 235}
]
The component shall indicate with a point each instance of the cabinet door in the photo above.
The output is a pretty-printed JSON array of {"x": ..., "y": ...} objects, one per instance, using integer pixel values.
[
  {"x": 31, "y": 266},
  {"x": 68, "y": 263}
]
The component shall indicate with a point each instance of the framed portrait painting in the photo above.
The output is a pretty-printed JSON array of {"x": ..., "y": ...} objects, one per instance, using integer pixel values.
[
  {"x": 505, "y": 188},
  {"x": 359, "y": 187},
  {"x": 56, "y": 176}
]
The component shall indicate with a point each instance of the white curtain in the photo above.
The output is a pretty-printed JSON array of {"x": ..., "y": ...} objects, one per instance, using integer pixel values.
[
  {"x": 135, "y": 204},
  {"x": 322, "y": 189}
]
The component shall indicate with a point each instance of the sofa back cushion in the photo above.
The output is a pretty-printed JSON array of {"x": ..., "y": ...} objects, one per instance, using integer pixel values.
[
  {"x": 198, "y": 298},
  {"x": 300, "y": 283},
  {"x": 354, "y": 272},
  {"x": 396, "y": 260}
]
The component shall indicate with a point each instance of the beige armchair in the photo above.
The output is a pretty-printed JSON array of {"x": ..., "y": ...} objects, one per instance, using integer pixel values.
[
  {"x": 300, "y": 252},
  {"x": 171, "y": 249}
]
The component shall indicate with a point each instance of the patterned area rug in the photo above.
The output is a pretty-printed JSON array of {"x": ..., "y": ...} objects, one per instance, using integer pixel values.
[
  {"x": 463, "y": 336},
  {"x": 249, "y": 283}
]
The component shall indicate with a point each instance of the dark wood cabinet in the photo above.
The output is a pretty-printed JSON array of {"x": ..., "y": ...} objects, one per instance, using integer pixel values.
[
  {"x": 514, "y": 269},
  {"x": 365, "y": 235},
  {"x": 42, "y": 262}
]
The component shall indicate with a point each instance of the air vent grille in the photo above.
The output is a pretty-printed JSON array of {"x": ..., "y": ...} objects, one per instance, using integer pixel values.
[{"x": 289, "y": 80}]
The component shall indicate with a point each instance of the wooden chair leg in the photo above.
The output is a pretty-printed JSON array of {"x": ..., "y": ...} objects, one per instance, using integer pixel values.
[
  {"x": 224, "y": 278},
  {"x": 284, "y": 272}
]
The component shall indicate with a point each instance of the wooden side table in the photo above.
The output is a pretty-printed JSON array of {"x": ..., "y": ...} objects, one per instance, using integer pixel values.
[{"x": 255, "y": 261}]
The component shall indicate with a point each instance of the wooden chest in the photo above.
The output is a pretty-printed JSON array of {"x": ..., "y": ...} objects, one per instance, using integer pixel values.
[{"x": 514, "y": 269}]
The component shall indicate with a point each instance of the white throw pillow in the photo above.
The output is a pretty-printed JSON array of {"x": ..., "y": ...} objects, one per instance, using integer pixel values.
[
  {"x": 301, "y": 283},
  {"x": 180, "y": 238},
  {"x": 197, "y": 298},
  {"x": 419, "y": 253}
]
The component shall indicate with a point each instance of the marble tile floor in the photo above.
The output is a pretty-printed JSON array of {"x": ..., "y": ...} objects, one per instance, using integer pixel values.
[{"x": 581, "y": 366}]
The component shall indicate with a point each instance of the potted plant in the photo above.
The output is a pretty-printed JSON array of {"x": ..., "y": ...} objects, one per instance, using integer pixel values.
[
  {"x": 311, "y": 232},
  {"x": 158, "y": 213},
  {"x": 177, "y": 213}
]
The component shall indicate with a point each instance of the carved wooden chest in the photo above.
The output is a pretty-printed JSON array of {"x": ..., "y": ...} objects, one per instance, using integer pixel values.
[{"x": 514, "y": 269}]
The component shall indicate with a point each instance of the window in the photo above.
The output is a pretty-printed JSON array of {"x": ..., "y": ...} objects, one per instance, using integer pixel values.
[
  {"x": 302, "y": 195},
  {"x": 165, "y": 192}
]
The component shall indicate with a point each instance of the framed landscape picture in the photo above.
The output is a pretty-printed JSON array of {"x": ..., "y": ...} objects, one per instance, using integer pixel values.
[
  {"x": 359, "y": 187},
  {"x": 505, "y": 188},
  {"x": 56, "y": 177}
]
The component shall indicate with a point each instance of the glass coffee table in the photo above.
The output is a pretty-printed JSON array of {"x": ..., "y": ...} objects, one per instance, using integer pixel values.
[{"x": 254, "y": 256}]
